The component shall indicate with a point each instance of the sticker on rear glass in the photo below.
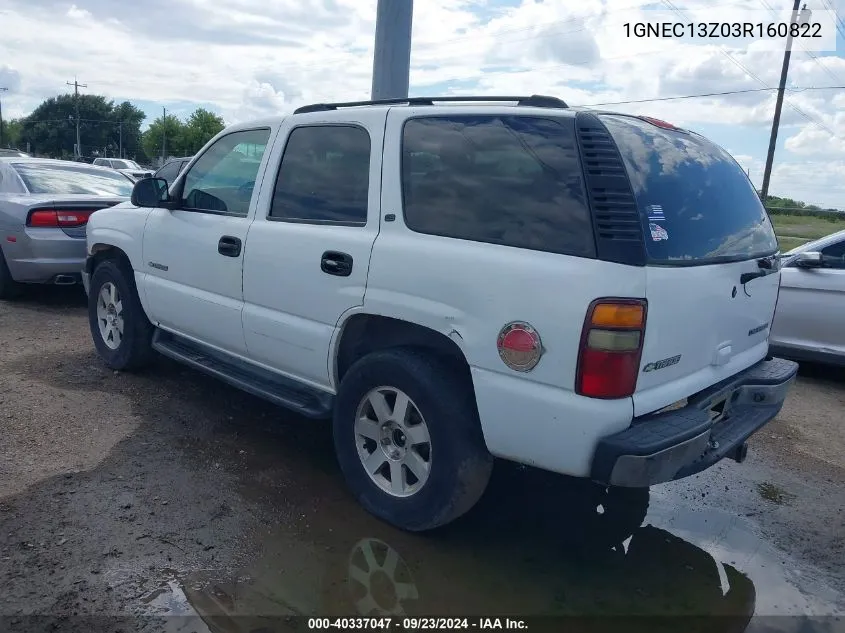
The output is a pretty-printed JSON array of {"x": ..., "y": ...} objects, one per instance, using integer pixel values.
[
  {"x": 655, "y": 213},
  {"x": 657, "y": 232}
]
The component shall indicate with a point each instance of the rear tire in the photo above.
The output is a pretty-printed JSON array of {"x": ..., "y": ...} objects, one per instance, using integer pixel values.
[
  {"x": 9, "y": 288},
  {"x": 121, "y": 331},
  {"x": 453, "y": 464}
]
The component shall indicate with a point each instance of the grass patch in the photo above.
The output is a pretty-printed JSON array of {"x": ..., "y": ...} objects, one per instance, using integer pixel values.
[
  {"x": 772, "y": 492},
  {"x": 788, "y": 243},
  {"x": 808, "y": 227}
]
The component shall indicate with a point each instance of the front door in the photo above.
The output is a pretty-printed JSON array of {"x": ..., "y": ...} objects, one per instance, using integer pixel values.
[
  {"x": 193, "y": 255},
  {"x": 811, "y": 305}
]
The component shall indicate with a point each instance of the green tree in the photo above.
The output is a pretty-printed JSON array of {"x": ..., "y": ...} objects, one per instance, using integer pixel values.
[
  {"x": 12, "y": 133},
  {"x": 51, "y": 128},
  {"x": 171, "y": 130},
  {"x": 127, "y": 121},
  {"x": 200, "y": 128}
]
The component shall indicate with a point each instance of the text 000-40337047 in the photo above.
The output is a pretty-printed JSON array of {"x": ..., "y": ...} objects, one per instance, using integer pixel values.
[{"x": 416, "y": 624}]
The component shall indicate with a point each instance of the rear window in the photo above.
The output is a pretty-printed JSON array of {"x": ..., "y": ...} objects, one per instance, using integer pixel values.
[
  {"x": 697, "y": 204},
  {"x": 511, "y": 180},
  {"x": 52, "y": 178}
]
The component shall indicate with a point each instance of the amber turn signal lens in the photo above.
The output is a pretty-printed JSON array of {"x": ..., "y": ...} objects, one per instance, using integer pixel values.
[{"x": 625, "y": 315}]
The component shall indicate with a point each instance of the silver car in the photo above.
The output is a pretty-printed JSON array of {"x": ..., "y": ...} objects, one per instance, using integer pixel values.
[
  {"x": 44, "y": 208},
  {"x": 127, "y": 167},
  {"x": 808, "y": 323}
]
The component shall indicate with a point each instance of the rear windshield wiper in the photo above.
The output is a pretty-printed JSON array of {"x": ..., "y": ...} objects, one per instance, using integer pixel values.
[{"x": 767, "y": 266}]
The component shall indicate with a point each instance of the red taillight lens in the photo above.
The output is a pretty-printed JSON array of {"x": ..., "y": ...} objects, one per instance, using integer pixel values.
[
  {"x": 43, "y": 218},
  {"x": 62, "y": 218},
  {"x": 611, "y": 347}
]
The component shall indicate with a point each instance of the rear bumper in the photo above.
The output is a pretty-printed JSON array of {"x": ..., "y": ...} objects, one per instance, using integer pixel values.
[
  {"x": 666, "y": 446},
  {"x": 44, "y": 256}
]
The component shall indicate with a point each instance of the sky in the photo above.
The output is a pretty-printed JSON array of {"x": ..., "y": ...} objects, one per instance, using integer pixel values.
[{"x": 250, "y": 58}]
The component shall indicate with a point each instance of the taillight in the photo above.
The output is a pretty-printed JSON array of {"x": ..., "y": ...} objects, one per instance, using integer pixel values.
[
  {"x": 62, "y": 218},
  {"x": 611, "y": 347}
]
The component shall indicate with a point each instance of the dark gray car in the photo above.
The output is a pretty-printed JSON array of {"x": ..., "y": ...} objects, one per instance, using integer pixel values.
[
  {"x": 44, "y": 208},
  {"x": 172, "y": 168}
]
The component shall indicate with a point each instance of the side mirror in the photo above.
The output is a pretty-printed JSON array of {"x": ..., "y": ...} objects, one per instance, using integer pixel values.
[
  {"x": 809, "y": 259},
  {"x": 150, "y": 192}
]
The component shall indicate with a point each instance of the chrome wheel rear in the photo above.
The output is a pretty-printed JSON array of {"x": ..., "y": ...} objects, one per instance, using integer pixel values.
[{"x": 393, "y": 441}]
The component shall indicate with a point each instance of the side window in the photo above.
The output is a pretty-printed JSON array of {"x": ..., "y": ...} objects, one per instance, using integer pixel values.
[
  {"x": 101, "y": 162},
  {"x": 324, "y": 176},
  {"x": 510, "y": 180},
  {"x": 116, "y": 164},
  {"x": 222, "y": 179},
  {"x": 836, "y": 250}
]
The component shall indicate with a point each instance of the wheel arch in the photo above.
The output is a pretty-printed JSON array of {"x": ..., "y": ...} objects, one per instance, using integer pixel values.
[
  {"x": 101, "y": 251},
  {"x": 363, "y": 333}
]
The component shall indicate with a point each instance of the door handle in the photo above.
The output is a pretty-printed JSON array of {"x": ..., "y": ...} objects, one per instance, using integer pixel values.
[
  {"x": 335, "y": 263},
  {"x": 229, "y": 246}
]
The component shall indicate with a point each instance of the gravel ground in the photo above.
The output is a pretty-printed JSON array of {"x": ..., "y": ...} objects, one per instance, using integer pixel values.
[{"x": 168, "y": 494}]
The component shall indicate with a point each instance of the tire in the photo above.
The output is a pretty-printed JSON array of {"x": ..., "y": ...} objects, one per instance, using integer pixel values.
[
  {"x": 9, "y": 288},
  {"x": 132, "y": 350},
  {"x": 459, "y": 466}
]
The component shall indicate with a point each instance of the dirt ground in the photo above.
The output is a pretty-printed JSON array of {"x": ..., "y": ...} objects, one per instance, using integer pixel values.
[{"x": 167, "y": 501}]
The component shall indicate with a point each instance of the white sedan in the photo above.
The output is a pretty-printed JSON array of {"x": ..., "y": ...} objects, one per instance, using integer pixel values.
[{"x": 809, "y": 321}]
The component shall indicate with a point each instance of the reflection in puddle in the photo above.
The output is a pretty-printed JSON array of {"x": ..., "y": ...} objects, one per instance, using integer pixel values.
[{"x": 535, "y": 545}]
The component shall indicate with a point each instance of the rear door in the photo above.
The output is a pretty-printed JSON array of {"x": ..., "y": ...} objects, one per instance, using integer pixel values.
[
  {"x": 308, "y": 251},
  {"x": 704, "y": 228}
]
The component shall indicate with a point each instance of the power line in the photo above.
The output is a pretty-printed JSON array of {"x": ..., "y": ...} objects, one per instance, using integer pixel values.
[
  {"x": 838, "y": 22},
  {"x": 748, "y": 72},
  {"x": 709, "y": 94},
  {"x": 809, "y": 54}
]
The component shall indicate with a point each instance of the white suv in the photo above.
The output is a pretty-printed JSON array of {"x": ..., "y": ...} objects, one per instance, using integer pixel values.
[
  {"x": 126, "y": 167},
  {"x": 584, "y": 292}
]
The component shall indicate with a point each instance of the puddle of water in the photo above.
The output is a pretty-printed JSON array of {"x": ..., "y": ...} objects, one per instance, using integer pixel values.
[
  {"x": 548, "y": 553},
  {"x": 783, "y": 586}
]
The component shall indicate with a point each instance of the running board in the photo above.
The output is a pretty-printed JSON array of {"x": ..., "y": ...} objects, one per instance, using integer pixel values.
[{"x": 279, "y": 390}]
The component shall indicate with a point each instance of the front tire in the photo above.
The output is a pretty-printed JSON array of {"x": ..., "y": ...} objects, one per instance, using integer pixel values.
[
  {"x": 408, "y": 439},
  {"x": 121, "y": 331}
]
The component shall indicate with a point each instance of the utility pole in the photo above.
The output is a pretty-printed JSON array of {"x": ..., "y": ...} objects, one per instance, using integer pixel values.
[
  {"x": 163, "y": 133},
  {"x": 392, "y": 54},
  {"x": 2, "y": 89},
  {"x": 76, "y": 86},
  {"x": 773, "y": 139},
  {"x": 120, "y": 137}
]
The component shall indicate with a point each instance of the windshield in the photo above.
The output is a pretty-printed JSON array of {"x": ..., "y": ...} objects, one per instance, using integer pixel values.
[
  {"x": 128, "y": 164},
  {"x": 696, "y": 203},
  {"x": 72, "y": 179}
]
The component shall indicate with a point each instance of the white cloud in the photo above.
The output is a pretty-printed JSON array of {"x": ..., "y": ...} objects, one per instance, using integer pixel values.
[
  {"x": 75, "y": 13},
  {"x": 253, "y": 58}
]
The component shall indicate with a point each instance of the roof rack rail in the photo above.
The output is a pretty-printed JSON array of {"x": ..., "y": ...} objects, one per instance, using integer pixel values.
[{"x": 536, "y": 101}]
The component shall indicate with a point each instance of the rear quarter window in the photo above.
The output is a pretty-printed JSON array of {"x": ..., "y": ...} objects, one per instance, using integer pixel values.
[
  {"x": 696, "y": 203},
  {"x": 510, "y": 180}
]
